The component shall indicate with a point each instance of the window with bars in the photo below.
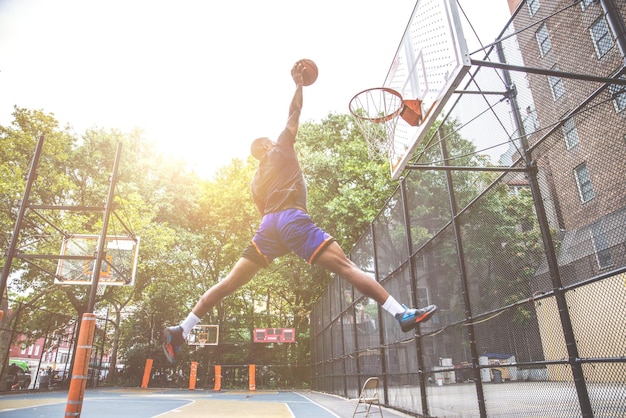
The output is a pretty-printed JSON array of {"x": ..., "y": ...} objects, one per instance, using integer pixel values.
[
  {"x": 556, "y": 85},
  {"x": 618, "y": 94},
  {"x": 543, "y": 40},
  {"x": 601, "y": 36},
  {"x": 570, "y": 133},
  {"x": 533, "y": 6},
  {"x": 601, "y": 245},
  {"x": 586, "y": 3},
  {"x": 583, "y": 181}
]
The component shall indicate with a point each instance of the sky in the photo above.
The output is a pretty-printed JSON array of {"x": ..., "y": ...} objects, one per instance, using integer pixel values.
[{"x": 202, "y": 79}]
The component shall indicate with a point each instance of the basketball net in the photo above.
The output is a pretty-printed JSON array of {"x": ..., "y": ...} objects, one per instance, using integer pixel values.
[
  {"x": 378, "y": 136},
  {"x": 202, "y": 342},
  {"x": 376, "y": 113},
  {"x": 100, "y": 289}
]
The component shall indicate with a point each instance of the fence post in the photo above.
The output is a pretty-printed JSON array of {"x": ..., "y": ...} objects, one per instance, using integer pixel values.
[
  {"x": 550, "y": 251},
  {"x": 467, "y": 304},
  {"x": 252, "y": 377},
  {"x": 147, "y": 370},
  {"x": 192, "y": 375},
  {"x": 419, "y": 347},
  {"x": 218, "y": 378}
]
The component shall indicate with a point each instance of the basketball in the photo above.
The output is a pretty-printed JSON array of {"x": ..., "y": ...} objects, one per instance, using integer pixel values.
[{"x": 309, "y": 73}]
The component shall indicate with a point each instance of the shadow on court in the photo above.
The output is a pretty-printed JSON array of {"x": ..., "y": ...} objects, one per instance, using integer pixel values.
[{"x": 167, "y": 403}]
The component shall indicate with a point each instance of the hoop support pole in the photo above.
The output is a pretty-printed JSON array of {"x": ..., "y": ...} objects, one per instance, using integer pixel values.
[{"x": 80, "y": 371}]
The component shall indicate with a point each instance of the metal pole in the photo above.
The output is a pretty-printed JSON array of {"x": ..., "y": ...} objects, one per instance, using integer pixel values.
[
  {"x": 421, "y": 366},
  {"x": 32, "y": 176},
  {"x": 381, "y": 329},
  {"x": 103, "y": 235},
  {"x": 616, "y": 22},
  {"x": 543, "y": 71},
  {"x": 82, "y": 353},
  {"x": 458, "y": 238},
  {"x": 550, "y": 252},
  {"x": 104, "y": 338}
]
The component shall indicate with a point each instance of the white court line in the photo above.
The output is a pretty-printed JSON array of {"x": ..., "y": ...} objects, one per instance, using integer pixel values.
[
  {"x": 32, "y": 406},
  {"x": 289, "y": 409},
  {"x": 191, "y": 402},
  {"x": 321, "y": 406}
]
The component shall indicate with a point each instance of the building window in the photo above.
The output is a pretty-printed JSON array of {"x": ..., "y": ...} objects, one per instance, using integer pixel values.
[
  {"x": 583, "y": 180},
  {"x": 618, "y": 94},
  {"x": 601, "y": 36},
  {"x": 586, "y": 3},
  {"x": 533, "y": 6},
  {"x": 531, "y": 121},
  {"x": 601, "y": 245},
  {"x": 543, "y": 39},
  {"x": 556, "y": 85},
  {"x": 570, "y": 133}
]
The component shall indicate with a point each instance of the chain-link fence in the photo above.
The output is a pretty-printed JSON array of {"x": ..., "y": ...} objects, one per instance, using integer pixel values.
[
  {"x": 42, "y": 344},
  {"x": 526, "y": 260}
]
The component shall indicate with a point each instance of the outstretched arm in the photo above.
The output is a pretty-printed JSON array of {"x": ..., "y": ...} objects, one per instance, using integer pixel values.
[{"x": 296, "y": 103}]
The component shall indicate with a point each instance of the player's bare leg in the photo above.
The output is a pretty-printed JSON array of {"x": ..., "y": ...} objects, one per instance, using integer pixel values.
[
  {"x": 174, "y": 337},
  {"x": 239, "y": 276},
  {"x": 333, "y": 259}
]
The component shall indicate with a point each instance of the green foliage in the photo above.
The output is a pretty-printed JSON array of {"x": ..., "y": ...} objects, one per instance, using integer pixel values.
[
  {"x": 346, "y": 187},
  {"x": 193, "y": 230}
]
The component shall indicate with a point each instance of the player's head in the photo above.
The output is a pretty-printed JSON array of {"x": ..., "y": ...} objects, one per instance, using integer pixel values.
[{"x": 260, "y": 146}]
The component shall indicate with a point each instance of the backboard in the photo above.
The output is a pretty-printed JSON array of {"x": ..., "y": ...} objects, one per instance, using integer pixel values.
[
  {"x": 77, "y": 260},
  {"x": 429, "y": 64},
  {"x": 201, "y": 335},
  {"x": 274, "y": 335}
]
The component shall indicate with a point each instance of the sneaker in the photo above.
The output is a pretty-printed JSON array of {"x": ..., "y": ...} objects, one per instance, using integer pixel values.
[
  {"x": 172, "y": 342},
  {"x": 411, "y": 317}
]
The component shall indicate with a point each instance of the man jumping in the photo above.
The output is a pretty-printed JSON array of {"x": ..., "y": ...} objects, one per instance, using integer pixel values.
[{"x": 280, "y": 194}]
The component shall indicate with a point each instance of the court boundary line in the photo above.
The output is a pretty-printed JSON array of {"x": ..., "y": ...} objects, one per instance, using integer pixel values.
[
  {"x": 191, "y": 402},
  {"x": 316, "y": 403}
]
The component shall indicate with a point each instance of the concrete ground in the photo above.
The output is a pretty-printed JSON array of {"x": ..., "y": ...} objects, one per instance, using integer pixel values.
[{"x": 168, "y": 403}]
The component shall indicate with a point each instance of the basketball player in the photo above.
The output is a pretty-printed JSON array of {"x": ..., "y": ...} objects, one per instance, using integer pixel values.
[{"x": 280, "y": 194}]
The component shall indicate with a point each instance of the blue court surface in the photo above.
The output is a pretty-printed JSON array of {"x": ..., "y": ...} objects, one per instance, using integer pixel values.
[{"x": 164, "y": 403}]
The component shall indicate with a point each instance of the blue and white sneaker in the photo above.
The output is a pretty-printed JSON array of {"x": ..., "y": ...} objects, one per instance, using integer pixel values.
[
  {"x": 172, "y": 342},
  {"x": 411, "y": 316}
]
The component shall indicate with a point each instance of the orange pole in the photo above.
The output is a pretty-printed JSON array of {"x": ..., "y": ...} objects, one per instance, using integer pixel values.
[
  {"x": 147, "y": 370},
  {"x": 80, "y": 371},
  {"x": 218, "y": 378},
  {"x": 192, "y": 375},
  {"x": 252, "y": 377}
]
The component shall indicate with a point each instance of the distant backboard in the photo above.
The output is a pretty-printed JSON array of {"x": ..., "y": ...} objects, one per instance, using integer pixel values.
[
  {"x": 429, "y": 64},
  {"x": 201, "y": 335},
  {"x": 78, "y": 258},
  {"x": 274, "y": 335}
]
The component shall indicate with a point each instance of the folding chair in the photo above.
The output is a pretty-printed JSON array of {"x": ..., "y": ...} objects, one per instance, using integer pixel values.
[{"x": 368, "y": 397}]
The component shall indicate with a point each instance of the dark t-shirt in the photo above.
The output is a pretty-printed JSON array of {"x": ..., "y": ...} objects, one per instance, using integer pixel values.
[{"x": 278, "y": 182}]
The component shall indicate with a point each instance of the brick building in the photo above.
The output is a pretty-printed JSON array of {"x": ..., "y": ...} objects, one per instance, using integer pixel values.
[{"x": 579, "y": 142}]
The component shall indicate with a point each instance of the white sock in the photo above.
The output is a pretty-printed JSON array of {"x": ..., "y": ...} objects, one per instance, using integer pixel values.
[
  {"x": 392, "y": 306},
  {"x": 189, "y": 323}
]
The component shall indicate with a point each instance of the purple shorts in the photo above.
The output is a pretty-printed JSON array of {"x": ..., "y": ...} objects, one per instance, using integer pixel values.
[{"x": 280, "y": 233}]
